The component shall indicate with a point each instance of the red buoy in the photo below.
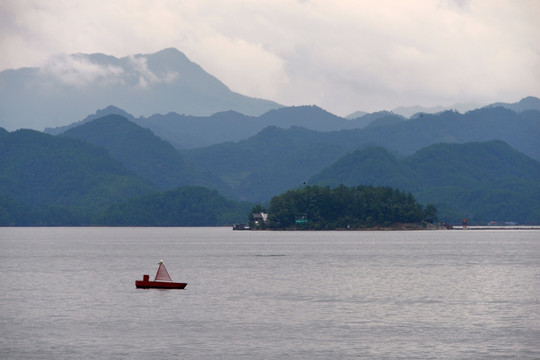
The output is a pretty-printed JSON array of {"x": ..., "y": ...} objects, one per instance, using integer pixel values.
[{"x": 161, "y": 281}]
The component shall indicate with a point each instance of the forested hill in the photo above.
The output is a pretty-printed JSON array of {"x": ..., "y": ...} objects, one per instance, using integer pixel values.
[
  {"x": 316, "y": 208},
  {"x": 142, "y": 152},
  {"x": 50, "y": 180},
  {"x": 44, "y": 170},
  {"x": 270, "y": 162},
  {"x": 185, "y": 206},
  {"x": 482, "y": 181}
]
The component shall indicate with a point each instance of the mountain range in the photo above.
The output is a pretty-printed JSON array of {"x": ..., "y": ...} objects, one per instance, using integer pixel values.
[
  {"x": 68, "y": 87},
  {"x": 482, "y": 164},
  {"x": 488, "y": 123},
  {"x": 482, "y": 180}
]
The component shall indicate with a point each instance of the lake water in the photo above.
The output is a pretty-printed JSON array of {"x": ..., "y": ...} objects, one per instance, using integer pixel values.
[{"x": 69, "y": 293}]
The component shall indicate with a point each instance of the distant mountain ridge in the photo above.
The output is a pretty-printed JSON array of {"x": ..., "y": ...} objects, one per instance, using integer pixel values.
[
  {"x": 528, "y": 103},
  {"x": 188, "y": 131},
  {"x": 143, "y": 84},
  {"x": 408, "y": 111},
  {"x": 519, "y": 130},
  {"x": 109, "y": 110}
]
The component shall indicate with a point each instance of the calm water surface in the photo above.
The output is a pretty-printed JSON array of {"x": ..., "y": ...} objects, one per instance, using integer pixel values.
[{"x": 68, "y": 293}]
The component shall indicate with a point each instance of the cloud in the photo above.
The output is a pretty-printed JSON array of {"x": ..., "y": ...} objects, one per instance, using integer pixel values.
[
  {"x": 235, "y": 61},
  {"x": 79, "y": 71},
  {"x": 344, "y": 56},
  {"x": 139, "y": 69},
  {"x": 460, "y": 5}
]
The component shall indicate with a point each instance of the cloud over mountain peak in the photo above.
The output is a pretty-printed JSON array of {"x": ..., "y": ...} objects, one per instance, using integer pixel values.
[
  {"x": 68, "y": 87},
  {"x": 80, "y": 70}
]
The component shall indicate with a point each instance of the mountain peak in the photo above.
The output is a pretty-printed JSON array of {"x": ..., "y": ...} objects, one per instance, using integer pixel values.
[
  {"x": 169, "y": 53},
  {"x": 531, "y": 102},
  {"x": 143, "y": 84},
  {"x": 109, "y": 110},
  {"x": 170, "y": 59},
  {"x": 527, "y": 103}
]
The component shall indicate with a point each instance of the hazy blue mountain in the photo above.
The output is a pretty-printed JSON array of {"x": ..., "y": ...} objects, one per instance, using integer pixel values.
[
  {"x": 356, "y": 115},
  {"x": 309, "y": 117},
  {"x": 482, "y": 181},
  {"x": 520, "y": 130},
  {"x": 109, "y": 110},
  {"x": 188, "y": 131},
  {"x": 528, "y": 103},
  {"x": 409, "y": 111},
  {"x": 383, "y": 119},
  {"x": 70, "y": 86},
  {"x": 142, "y": 152},
  {"x": 379, "y": 118}
]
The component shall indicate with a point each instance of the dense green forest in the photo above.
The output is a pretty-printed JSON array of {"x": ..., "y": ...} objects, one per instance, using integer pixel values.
[
  {"x": 17, "y": 213},
  {"x": 40, "y": 169},
  {"x": 316, "y": 208},
  {"x": 186, "y": 206},
  {"x": 50, "y": 180}
]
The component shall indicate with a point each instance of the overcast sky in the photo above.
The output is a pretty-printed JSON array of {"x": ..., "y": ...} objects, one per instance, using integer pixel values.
[{"x": 341, "y": 55}]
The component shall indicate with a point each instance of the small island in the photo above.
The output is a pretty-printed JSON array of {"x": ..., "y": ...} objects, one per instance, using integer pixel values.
[{"x": 359, "y": 208}]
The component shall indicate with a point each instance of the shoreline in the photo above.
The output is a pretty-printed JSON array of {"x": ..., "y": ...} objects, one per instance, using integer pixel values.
[{"x": 497, "y": 227}]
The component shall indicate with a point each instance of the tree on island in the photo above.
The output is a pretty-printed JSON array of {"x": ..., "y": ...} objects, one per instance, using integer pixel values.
[{"x": 323, "y": 208}]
